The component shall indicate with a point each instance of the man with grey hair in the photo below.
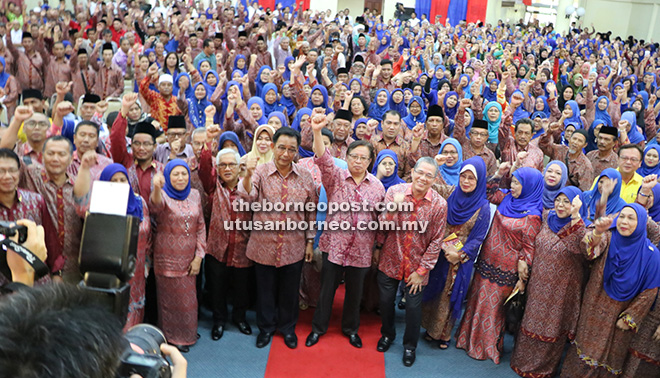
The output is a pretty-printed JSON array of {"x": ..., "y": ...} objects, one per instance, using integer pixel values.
[
  {"x": 226, "y": 261},
  {"x": 409, "y": 253}
]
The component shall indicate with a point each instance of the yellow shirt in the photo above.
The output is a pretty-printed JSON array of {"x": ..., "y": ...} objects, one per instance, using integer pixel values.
[{"x": 628, "y": 190}]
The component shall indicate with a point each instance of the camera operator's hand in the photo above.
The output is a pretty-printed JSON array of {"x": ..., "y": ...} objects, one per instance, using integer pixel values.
[
  {"x": 21, "y": 270},
  {"x": 180, "y": 363}
]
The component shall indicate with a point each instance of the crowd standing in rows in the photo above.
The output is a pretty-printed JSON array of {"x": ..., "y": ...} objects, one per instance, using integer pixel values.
[{"x": 229, "y": 105}]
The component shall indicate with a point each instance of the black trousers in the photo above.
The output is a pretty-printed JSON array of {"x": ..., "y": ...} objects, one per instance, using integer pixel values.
[
  {"x": 388, "y": 287},
  {"x": 331, "y": 275},
  {"x": 277, "y": 297},
  {"x": 219, "y": 279}
]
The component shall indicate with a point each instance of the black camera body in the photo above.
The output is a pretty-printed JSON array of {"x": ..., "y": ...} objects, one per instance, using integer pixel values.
[
  {"x": 108, "y": 254},
  {"x": 9, "y": 230}
]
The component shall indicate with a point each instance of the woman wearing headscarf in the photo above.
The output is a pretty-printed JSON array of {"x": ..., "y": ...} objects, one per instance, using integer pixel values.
[
  {"x": 258, "y": 82},
  {"x": 622, "y": 287},
  {"x": 604, "y": 198},
  {"x": 179, "y": 247},
  {"x": 468, "y": 217},
  {"x": 493, "y": 115},
  {"x": 396, "y": 102},
  {"x": 361, "y": 129},
  {"x": 650, "y": 161},
  {"x": 629, "y": 120},
  {"x": 136, "y": 207},
  {"x": 555, "y": 176},
  {"x": 211, "y": 81},
  {"x": 386, "y": 168},
  {"x": 277, "y": 120},
  {"x": 416, "y": 113},
  {"x": 9, "y": 86},
  {"x": 229, "y": 139},
  {"x": 183, "y": 80},
  {"x": 554, "y": 291},
  {"x": 504, "y": 262},
  {"x": 644, "y": 357},
  {"x": 271, "y": 101},
  {"x": 450, "y": 104},
  {"x": 287, "y": 101},
  {"x": 136, "y": 115},
  {"x": 197, "y": 105},
  {"x": 571, "y": 114},
  {"x": 261, "y": 145},
  {"x": 452, "y": 151},
  {"x": 240, "y": 65}
]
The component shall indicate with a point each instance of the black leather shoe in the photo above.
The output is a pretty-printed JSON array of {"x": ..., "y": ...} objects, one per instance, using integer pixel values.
[
  {"x": 312, "y": 339},
  {"x": 263, "y": 339},
  {"x": 244, "y": 327},
  {"x": 384, "y": 344},
  {"x": 355, "y": 340},
  {"x": 408, "y": 357},
  {"x": 182, "y": 348},
  {"x": 217, "y": 331},
  {"x": 291, "y": 340},
  {"x": 401, "y": 305}
]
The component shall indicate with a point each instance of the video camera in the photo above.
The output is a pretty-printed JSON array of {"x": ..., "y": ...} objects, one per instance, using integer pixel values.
[{"x": 108, "y": 254}]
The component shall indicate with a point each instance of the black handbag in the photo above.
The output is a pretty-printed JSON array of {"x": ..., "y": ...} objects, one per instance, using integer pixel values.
[{"x": 514, "y": 308}]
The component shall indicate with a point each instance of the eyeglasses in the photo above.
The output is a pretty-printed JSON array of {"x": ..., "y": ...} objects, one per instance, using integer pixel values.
[
  {"x": 227, "y": 165},
  {"x": 387, "y": 164},
  {"x": 630, "y": 159},
  {"x": 176, "y": 135},
  {"x": 34, "y": 125},
  {"x": 11, "y": 171},
  {"x": 450, "y": 153},
  {"x": 477, "y": 134},
  {"x": 283, "y": 149},
  {"x": 427, "y": 175},
  {"x": 358, "y": 157},
  {"x": 139, "y": 144}
]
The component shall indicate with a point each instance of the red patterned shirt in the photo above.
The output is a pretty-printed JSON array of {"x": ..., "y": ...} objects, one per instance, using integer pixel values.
[
  {"x": 30, "y": 205},
  {"x": 349, "y": 247},
  {"x": 227, "y": 245},
  {"x": 62, "y": 210},
  {"x": 405, "y": 252},
  {"x": 161, "y": 110},
  {"x": 95, "y": 170},
  {"x": 282, "y": 246}
]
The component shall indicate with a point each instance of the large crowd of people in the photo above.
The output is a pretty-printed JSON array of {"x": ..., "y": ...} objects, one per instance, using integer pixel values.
[{"x": 531, "y": 158}]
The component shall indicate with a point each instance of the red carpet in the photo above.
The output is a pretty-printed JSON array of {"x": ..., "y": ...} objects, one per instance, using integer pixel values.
[{"x": 333, "y": 356}]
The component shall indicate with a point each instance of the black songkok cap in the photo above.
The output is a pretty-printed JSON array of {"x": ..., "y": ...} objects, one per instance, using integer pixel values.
[
  {"x": 342, "y": 70},
  {"x": 435, "y": 111},
  {"x": 480, "y": 124},
  {"x": 343, "y": 114},
  {"x": 242, "y": 33},
  {"x": 145, "y": 128},
  {"x": 91, "y": 98},
  {"x": 32, "y": 93},
  {"x": 219, "y": 36},
  {"x": 26, "y": 35},
  {"x": 82, "y": 51},
  {"x": 609, "y": 130},
  {"x": 176, "y": 122},
  {"x": 107, "y": 46}
]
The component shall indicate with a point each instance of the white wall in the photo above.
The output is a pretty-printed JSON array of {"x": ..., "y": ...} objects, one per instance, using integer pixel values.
[
  {"x": 625, "y": 17},
  {"x": 495, "y": 12}
]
